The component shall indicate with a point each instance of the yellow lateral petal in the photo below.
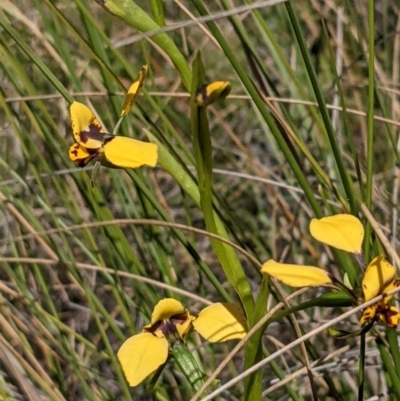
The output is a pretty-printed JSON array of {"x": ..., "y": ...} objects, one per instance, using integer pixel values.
[
  {"x": 125, "y": 152},
  {"x": 133, "y": 91},
  {"x": 296, "y": 275},
  {"x": 141, "y": 355},
  {"x": 210, "y": 93},
  {"x": 378, "y": 274},
  {"x": 165, "y": 309},
  {"x": 221, "y": 322},
  {"x": 80, "y": 155},
  {"x": 368, "y": 314},
  {"x": 390, "y": 316},
  {"x": 86, "y": 128},
  {"x": 342, "y": 231},
  {"x": 391, "y": 286}
]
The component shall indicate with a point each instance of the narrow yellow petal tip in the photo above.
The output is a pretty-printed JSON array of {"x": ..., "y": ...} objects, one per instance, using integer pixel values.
[
  {"x": 134, "y": 91},
  {"x": 124, "y": 152},
  {"x": 342, "y": 231},
  {"x": 210, "y": 93},
  {"x": 296, "y": 275},
  {"x": 221, "y": 322}
]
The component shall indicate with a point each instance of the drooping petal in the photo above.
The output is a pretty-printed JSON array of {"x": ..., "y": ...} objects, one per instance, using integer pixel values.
[
  {"x": 390, "y": 316},
  {"x": 221, "y": 322},
  {"x": 124, "y": 152},
  {"x": 378, "y": 274},
  {"x": 141, "y": 355},
  {"x": 210, "y": 93},
  {"x": 86, "y": 128},
  {"x": 80, "y": 155},
  {"x": 368, "y": 314},
  {"x": 342, "y": 231},
  {"x": 296, "y": 275},
  {"x": 133, "y": 91}
]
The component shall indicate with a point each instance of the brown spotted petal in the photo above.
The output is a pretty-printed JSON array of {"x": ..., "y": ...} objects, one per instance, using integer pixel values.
[
  {"x": 86, "y": 128},
  {"x": 81, "y": 156}
]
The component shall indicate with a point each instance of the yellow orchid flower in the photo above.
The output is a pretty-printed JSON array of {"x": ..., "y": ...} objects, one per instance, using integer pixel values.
[
  {"x": 379, "y": 278},
  {"x": 212, "y": 92},
  {"x": 141, "y": 354},
  {"x": 344, "y": 232},
  {"x": 113, "y": 151}
]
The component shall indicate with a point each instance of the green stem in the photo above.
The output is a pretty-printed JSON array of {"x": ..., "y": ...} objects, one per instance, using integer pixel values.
[
  {"x": 188, "y": 365},
  {"x": 370, "y": 132},
  {"x": 348, "y": 187},
  {"x": 136, "y": 17},
  {"x": 248, "y": 84},
  {"x": 203, "y": 155}
]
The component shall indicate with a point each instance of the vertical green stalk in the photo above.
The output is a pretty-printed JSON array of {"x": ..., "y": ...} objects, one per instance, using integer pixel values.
[
  {"x": 347, "y": 184},
  {"x": 391, "y": 335},
  {"x": 390, "y": 369},
  {"x": 158, "y": 11},
  {"x": 259, "y": 103},
  {"x": 370, "y": 133},
  {"x": 203, "y": 156}
]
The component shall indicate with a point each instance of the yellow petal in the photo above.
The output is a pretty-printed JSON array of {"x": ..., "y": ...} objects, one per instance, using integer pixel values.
[
  {"x": 210, "y": 93},
  {"x": 86, "y": 128},
  {"x": 391, "y": 286},
  {"x": 80, "y": 155},
  {"x": 378, "y": 274},
  {"x": 133, "y": 91},
  {"x": 342, "y": 231},
  {"x": 172, "y": 310},
  {"x": 125, "y": 152},
  {"x": 167, "y": 308},
  {"x": 141, "y": 355},
  {"x": 221, "y": 322},
  {"x": 296, "y": 275},
  {"x": 368, "y": 314}
]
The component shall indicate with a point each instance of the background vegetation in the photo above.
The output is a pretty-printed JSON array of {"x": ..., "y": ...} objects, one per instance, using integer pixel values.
[{"x": 310, "y": 129}]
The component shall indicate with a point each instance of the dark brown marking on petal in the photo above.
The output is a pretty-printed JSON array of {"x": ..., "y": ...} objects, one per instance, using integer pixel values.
[
  {"x": 86, "y": 160},
  {"x": 95, "y": 133},
  {"x": 390, "y": 316},
  {"x": 179, "y": 319},
  {"x": 169, "y": 325}
]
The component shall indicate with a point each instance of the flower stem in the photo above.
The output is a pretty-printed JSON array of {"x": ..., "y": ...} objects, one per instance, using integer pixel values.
[{"x": 188, "y": 365}]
